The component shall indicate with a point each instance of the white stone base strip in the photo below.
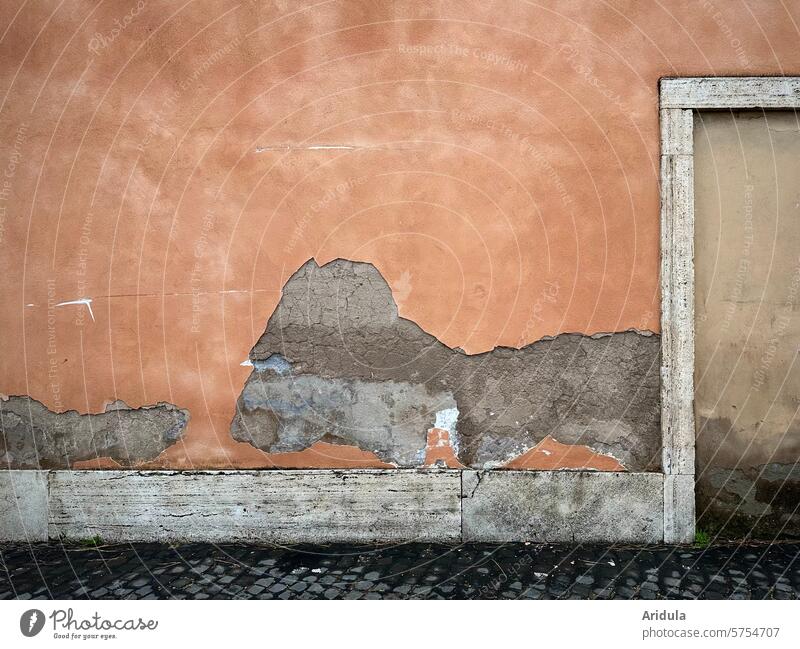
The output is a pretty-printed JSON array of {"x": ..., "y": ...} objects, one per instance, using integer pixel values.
[
  {"x": 23, "y": 506},
  {"x": 314, "y": 506},
  {"x": 679, "y": 508},
  {"x": 562, "y": 506},
  {"x": 348, "y": 506}
]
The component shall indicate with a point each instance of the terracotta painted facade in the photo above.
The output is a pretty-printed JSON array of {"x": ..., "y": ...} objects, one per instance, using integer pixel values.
[{"x": 167, "y": 169}]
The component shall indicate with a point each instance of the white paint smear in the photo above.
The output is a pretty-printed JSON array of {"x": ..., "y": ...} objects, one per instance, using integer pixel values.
[
  {"x": 87, "y": 301},
  {"x": 446, "y": 419}
]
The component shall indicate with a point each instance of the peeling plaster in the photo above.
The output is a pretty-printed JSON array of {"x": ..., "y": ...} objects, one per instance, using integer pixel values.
[
  {"x": 346, "y": 368},
  {"x": 34, "y": 437},
  {"x": 279, "y": 413}
]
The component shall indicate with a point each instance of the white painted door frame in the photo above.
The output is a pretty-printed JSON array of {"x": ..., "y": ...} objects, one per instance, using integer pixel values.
[{"x": 679, "y": 99}]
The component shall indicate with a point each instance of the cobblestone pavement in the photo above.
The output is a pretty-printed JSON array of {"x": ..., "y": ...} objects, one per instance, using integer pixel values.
[{"x": 202, "y": 571}]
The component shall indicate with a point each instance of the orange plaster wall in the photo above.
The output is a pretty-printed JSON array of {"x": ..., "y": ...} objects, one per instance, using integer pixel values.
[
  {"x": 503, "y": 179},
  {"x": 549, "y": 454}
]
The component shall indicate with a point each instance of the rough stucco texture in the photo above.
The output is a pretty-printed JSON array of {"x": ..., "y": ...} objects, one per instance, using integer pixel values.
[
  {"x": 166, "y": 169},
  {"x": 747, "y": 176}
]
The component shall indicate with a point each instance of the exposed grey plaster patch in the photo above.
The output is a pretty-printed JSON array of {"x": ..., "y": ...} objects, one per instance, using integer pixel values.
[
  {"x": 339, "y": 323},
  {"x": 34, "y": 437},
  {"x": 389, "y": 418}
]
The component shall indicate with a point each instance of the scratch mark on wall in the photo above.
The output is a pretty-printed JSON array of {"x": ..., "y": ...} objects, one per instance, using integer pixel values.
[
  {"x": 87, "y": 302},
  {"x": 309, "y": 147}
]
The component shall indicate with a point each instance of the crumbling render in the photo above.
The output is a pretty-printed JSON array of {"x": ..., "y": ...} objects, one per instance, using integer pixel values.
[
  {"x": 34, "y": 437},
  {"x": 389, "y": 418},
  {"x": 329, "y": 456},
  {"x": 337, "y": 364}
]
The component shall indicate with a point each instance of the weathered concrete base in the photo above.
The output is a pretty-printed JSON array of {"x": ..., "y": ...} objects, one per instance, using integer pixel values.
[
  {"x": 330, "y": 505},
  {"x": 317, "y": 506},
  {"x": 23, "y": 506},
  {"x": 545, "y": 506}
]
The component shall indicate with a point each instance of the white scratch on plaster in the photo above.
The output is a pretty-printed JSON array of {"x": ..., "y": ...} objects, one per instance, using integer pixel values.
[
  {"x": 87, "y": 301},
  {"x": 330, "y": 146},
  {"x": 311, "y": 147}
]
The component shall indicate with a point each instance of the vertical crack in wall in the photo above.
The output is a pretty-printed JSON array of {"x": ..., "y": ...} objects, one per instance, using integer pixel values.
[{"x": 337, "y": 363}]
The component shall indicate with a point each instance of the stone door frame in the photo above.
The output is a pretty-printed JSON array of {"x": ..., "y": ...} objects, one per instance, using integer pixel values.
[{"x": 679, "y": 99}]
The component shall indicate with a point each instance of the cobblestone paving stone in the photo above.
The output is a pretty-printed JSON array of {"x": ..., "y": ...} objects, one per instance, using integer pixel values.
[{"x": 407, "y": 571}]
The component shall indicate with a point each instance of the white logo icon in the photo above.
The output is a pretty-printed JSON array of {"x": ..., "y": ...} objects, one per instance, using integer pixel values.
[{"x": 31, "y": 622}]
